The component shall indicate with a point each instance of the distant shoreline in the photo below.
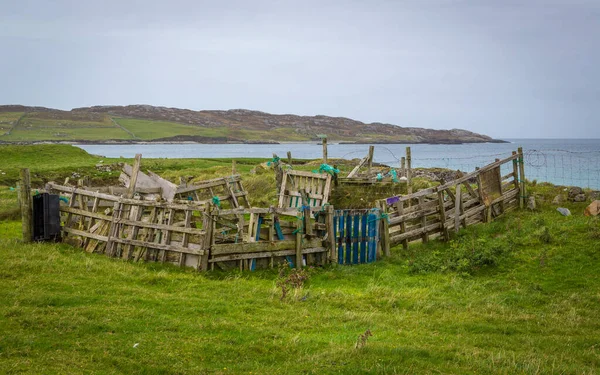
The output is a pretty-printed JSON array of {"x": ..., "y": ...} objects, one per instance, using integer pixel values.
[{"x": 163, "y": 142}]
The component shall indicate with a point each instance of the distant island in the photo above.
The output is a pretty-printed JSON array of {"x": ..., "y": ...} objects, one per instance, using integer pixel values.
[{"x": 145, "y": 123}]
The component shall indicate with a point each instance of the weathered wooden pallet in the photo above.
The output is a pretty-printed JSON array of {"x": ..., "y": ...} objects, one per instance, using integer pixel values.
[{"x": 316, "y": 186}]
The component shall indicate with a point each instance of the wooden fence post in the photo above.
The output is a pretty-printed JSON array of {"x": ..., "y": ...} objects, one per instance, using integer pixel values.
[
  {"x": 370, "y": 157},
  {"x": 457, "y": 207},
  {"x": 522, "y": 191},
  {"x": 403, "y": 167},
  {"x": 278, "y": 172},
  {"x": 384, "y": 228},
  {"x": 424, "y": 236},
  {"x": 207, "y": 225},
  {"x": 443, "y": 215},
  {"x": 333, "y": 255},
  {"x": 299, "y": 243},
  {"x": 400, "y": 209},
  {"x": 289, "y": 157},
  {"x": 515, "y": 164},
  {"x": 324, "y": 150},
  {"x": 134, "y": 175},
  {"x": 408, "y": 171},
  {"x": 26, "y": 205}
]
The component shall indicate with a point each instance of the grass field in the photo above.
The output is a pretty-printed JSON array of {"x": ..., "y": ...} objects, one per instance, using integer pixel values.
[
  {"x": 33, "y": 127},
  {"x": 7, "y": 120},
  {"x": 520, "y": 295},
  {"x": 43, "y": 127}
]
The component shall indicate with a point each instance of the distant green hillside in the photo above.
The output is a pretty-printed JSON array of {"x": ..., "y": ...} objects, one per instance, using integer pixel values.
[
  {"x": 34, "y": 127},
  {"x": 147, "y": 123},
  {"x": 39, "y": 126}
]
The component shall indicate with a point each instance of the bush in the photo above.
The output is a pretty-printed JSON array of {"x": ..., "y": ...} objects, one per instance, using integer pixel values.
[{"x": 464, "y": 255}]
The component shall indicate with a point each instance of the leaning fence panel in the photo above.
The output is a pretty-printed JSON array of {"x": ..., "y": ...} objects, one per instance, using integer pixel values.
[{"x": 472, "y": 198}]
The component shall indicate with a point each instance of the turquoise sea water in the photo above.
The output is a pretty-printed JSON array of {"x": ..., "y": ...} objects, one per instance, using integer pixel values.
[{"x": 560, "y": 161}]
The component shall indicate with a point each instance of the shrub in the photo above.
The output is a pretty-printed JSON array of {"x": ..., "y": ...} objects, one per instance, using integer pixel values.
[{"x": 464, "y": 255}]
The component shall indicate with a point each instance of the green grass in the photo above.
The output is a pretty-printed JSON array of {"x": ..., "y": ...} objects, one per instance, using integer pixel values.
[
  {"x": 519, "y": 295},
  {"x": 7, "y": 120},
  {"x": 66, "y": 311},
  {"x": 46, "y": 163},
  {"x": 33, "y": 129}
]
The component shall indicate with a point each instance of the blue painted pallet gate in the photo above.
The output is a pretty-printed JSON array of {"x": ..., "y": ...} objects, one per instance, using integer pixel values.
[{"x": 356, "y": 234}]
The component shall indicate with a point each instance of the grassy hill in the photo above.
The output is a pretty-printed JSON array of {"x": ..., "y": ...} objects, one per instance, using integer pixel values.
[{"x": 146, "y": 123}]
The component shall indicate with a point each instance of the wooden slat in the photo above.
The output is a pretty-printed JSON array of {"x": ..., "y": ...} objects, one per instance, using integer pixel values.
[
  {"x": 163, "y": 247},
  {"x": 266, "y": 254},
  {"x": 417, "y": 232},
  {"x": 262, "y": 246},
  {"x": 112, "y": 198},
  {"x": 417, "y": 214},
  {"x": 507, "y": 176},
  {"x": 322, "y": 176},
  {"x": 168, "y": 189},
  {"x": 83, "y": 233},
  {"x": 207, "y": 184},
  {"x": 326, "y": 190},
  {"x": 299, "y": 195},
  {"x": 356, "y": 169},
  {"x": 282, "y": 197},
  {"x": 186, "y": 238},
  {"x": 141, "y": 224}
]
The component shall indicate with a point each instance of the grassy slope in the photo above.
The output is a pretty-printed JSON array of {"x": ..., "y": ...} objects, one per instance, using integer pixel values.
[
  {"x": 46, "y": 162},
  {"x": 65, "y": 311},
  {"x": 32, "y": 128},
  {"x": 7, "y": 119}
]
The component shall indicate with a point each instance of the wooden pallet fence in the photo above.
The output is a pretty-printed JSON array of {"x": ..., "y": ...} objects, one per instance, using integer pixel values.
[
  {"x": 135, "y": 229},
  {"x": 229, "y": 191},
  {"x": 263, "y": 237},
  {"x": 204, "y": 236},
  {"x": 356, "y": 234},
  {"x": 317, "y": 187},
  {"x": 473, "y": 198}
]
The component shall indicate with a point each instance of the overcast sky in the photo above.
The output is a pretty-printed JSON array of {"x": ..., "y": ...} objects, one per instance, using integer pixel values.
[{"x": 509, "y": 69}]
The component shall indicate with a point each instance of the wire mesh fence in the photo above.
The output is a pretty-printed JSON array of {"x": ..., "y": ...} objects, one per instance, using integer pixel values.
[
  {"x": 559, "y": 161},
  {"x": 557, "y": 166}
]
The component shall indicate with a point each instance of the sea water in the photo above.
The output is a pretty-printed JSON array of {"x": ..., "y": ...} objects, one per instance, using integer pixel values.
[{"x": 569, "y": 162}]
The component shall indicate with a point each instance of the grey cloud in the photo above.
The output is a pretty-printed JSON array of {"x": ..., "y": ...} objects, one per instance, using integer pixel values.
[{"x": 507, "y": 69}]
